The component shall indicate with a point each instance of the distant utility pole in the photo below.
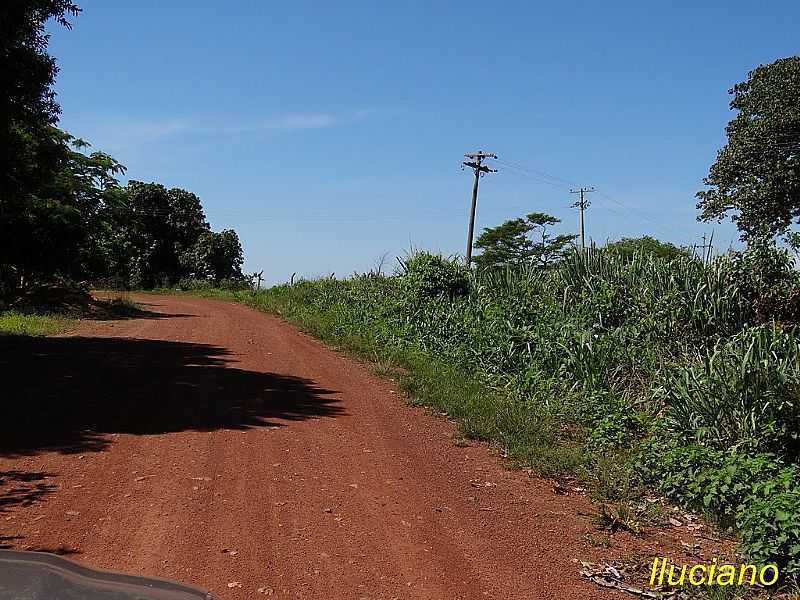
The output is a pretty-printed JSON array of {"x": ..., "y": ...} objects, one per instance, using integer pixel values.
[
  {"x": 582, "y": 205},
  {"x": 705, "y": 247},
  {"x": 475, "y": 162}
]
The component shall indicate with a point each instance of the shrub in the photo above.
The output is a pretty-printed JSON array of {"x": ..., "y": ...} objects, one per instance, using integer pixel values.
[
  {"x": 761, "y": 270},
  {"x": 766, "y": 277},
  {"x": 769, "y": 522},
  {"x": 758, "y": 496},
  {"x": 714, "y": 481},
  {"x": 230, "y": 285},
  {"x": 426, "y": 276},
  {"x": 745, "y": 392}
]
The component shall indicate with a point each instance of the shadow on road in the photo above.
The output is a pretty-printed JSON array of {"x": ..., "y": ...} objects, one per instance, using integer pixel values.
[
  {"x": 69, "y": 394},
  {"x": 99, "y": 306},
  {"x": 22, "y": 488},
  {"x": 117, "y": 311}
]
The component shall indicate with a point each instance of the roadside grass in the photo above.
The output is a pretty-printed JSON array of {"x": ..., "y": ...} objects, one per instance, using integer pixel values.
[
  {"x": 542, "y": 437},
  {"x": 51, "y": 314},
  {"x": 18, "y": 323},
  {"x": 524, "y": 433},
  {"x": 530, "y": 435}
]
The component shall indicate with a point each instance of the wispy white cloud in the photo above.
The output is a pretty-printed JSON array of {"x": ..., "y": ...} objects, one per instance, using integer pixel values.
[
  {"x": 115, "y": 133},
  {"x": 282, "y": 123}
]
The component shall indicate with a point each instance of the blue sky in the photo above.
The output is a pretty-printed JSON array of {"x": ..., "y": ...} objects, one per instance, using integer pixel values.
[{"x": 330, "y": 133}]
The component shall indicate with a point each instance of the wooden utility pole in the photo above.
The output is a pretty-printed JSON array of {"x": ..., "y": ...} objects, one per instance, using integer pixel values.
[
  {"x": 706, "y": 247},
  {"x": 582, "y": 205},
  {"x": 475, "y": 162}
]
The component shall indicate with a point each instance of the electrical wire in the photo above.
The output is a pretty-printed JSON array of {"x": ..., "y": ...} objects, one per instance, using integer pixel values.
[{"x": 549, "y": 179}]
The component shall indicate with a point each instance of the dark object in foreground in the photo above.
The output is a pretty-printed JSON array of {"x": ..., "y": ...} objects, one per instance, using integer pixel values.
[{"x": 34, "y": 575}]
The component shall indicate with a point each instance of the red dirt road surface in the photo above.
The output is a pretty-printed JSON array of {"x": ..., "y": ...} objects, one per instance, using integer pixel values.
[{"x": 215, "y": 445}]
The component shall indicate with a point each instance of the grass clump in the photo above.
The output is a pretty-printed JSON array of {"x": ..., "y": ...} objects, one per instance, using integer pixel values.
[{"x": 20, "y": 323}]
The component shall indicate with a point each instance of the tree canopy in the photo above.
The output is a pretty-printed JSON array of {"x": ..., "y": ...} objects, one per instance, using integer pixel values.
[
  {"x": 215, "y": 256},
  {"x": 63, "y": 212},
  {"x": 521, "y": 241},
  {"x": 645, "y": 245},
  {"x": 756, "y": 176},
  {"x": 28, "y": 107},
  {"x": 27, "y": 71},
  {"x": 152, "y": 236}
]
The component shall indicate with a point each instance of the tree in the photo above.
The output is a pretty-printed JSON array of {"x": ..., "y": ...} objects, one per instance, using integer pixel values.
[
  {"x": 62, "y": 210},
  {"x": 505, "y": 244},
  {"x": 521, "y": 241},
  {"x": 27, "y": 72},
  {"x": 149, "y": 231},
  {"x": 215, "y": 256},
  {"x": 547, "y": 249},
  {"x": 756, "y": 175},
  {"x": 646, "y": 245},
  {"x": 44, "y": 231},
  {"x": 38, "y": 204},
  {"x": 27, "y": 104},
  {"x": 153, "y": 236}
]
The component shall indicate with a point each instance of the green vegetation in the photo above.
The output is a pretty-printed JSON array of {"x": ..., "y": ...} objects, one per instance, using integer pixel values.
[
  {"x": 522, "y": 242},
  {"x": 17, "y": 323},
  {"x": 56, "y": 310},
  {"x": 634, "y": 372},
  {"x": 151, "y": 236},
  {"x": 756, "y": 176},
  {"x": 63, "y": 214},
  {"x": 646, "y": 245}
]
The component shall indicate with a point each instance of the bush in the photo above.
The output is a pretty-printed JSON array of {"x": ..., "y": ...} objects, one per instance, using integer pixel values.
[
  {"x": 630, "y": 247},
  {"x": 229, "y": 285},
  {"x": 745, "y": 392},
  {"x": 757, "y": 496},
  {"x": 714, "y": 481},
  {"x": 770, "y": 525},
  {"x": 762, "y": 270},
  {"x": 766, "y": 277},
  {"x": 426, "y": 276}
]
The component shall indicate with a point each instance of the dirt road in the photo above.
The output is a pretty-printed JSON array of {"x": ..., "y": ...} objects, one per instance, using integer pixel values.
[{"x": 215, "y": 445}]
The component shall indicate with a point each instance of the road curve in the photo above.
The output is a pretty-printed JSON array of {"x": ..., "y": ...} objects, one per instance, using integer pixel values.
[{"x": 216, "y": 445}]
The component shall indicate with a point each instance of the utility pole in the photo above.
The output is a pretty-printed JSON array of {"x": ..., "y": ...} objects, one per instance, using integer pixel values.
[
  {"x": 475, "y": 162},
  {"x": 582, "y": 205},
  {"x": 706, "y": 247}
]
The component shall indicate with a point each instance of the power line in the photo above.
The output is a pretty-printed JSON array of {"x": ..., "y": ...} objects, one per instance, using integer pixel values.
[
  {"x": 640, "y": 215},
  {"x": 547, "y": 177},
  {"x": 525, "y": 174},
  {"x": 538, "y": 175}
]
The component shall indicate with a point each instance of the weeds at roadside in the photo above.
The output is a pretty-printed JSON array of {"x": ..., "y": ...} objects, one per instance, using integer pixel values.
[
  {"x": 45, "y": 314},
  {"x": 598, "y": 541},
  {"x": 622, "y": 517},
  {"x": 17, "y": 323}
]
